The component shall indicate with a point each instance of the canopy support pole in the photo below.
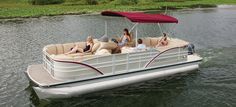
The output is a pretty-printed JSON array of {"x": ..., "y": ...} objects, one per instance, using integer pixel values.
[
  {"x": 136, "y": 36},
  {"x": 105, "y": 28},
  {"x": 136, "y": 32},
  {"x": 133, "y": 27}
]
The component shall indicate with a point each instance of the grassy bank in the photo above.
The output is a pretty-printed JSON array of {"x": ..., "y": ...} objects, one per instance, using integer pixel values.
[{"x": 21, "y": 8}]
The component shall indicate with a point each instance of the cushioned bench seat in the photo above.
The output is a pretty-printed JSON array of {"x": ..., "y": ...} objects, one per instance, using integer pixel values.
[
  {"x": 57, "y": 51},
  {"x": 173, "y": 42}
]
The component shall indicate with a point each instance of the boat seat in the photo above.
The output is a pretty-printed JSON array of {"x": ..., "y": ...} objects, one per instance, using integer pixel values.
[
  {"x": 56, "y": 51},
  {"x": 107, "y": 45},
  {"x": 173, "y": 42},
  {"x": 103, "y": 52},
  {"x": 127, "y": 49},
  {"x": 67, "y": 47},
  {"x": 71, "y": 57},
  {"x": 50, "y": 49},
  {"x": 131, "y": 43},
  {"x": 151, "y": 41},
  {"x": 62, "y": 57},
  {"x": 154, "y": 41}
]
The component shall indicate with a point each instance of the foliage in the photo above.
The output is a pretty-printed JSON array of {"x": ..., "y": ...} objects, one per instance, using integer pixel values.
[
  {"x": 82, "y": 2},
  {"x": 45, "y": 2},
  {"x": 145, "y": 1},
  {"x": 21, "y": 8},
  {"x": 124, "y": 2},
  {"x": 104, "y": 1}
]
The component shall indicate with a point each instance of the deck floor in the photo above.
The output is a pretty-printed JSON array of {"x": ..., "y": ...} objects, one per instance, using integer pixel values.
[{"x": 40, "y": 76}]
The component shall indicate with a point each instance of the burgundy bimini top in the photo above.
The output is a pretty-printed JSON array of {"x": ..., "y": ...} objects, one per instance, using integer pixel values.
[{"x": 140, "y": 17}]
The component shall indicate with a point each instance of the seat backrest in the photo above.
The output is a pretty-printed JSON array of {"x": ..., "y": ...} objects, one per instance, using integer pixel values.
[
  {"x": 67, "y": 47},
  {"x": 154, "y": 41},
  {"x": 131, "y": 43},
  {"x": 60, "y": 48},
  {"x": 147, "y": 42},
  {"x": 95, "y": 47},
  {"x": 107, "y": 45},
  {"x": 51, "y": 49}
]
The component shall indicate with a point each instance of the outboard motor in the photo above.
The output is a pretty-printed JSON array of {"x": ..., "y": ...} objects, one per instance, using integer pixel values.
[{"x": 191, "y": 49}]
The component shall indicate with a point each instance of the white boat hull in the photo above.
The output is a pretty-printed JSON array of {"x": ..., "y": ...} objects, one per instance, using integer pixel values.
[{"x": 93, "y": 85}]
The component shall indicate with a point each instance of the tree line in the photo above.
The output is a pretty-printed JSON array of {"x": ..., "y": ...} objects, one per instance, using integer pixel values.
[{"x": 96, "y": 2}]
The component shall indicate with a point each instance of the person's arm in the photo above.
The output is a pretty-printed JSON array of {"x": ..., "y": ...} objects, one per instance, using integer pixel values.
[
  {"x": 129, "y": 39},
  {"x": 166, "y": 38},
  {"x": 161, "y": 39},
  {"x": 91, "y": 47}
]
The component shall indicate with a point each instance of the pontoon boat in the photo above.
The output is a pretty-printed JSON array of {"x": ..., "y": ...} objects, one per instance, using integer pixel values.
[{"x": 70, "y": 75}]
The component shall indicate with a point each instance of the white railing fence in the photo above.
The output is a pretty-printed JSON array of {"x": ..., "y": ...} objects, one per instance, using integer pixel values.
[{"x": 125, "y": 62}]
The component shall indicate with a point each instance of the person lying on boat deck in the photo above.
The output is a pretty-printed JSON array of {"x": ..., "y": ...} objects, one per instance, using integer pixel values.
[
  {"x": 163, "y": 41},
  {"x": 140, "y": 45},
  {"x": 88, "y": 47},
  {"x": 124, "y": 39}
]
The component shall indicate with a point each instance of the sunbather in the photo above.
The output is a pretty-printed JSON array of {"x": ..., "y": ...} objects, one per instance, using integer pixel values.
[
  {"x": 88, "y": 47},
  {"x": 163, "y": 41}
]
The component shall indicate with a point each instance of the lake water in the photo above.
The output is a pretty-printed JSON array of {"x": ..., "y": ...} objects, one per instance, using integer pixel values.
[{"x": 213, "y": 31}]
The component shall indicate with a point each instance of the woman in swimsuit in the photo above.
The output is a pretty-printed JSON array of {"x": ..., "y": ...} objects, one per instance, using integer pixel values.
[
  {"x": 122, "y": 41},
  {"x": 163, "y": 41},
  {"x": 88, "y": 47},
  {"x": 125, "y": 38}
]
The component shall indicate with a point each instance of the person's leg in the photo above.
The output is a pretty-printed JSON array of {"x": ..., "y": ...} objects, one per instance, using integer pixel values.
[
  {"x": 164, "y": 43},
  {"x": 73, "y": 50},
  {"x": 80, "y": 50}
]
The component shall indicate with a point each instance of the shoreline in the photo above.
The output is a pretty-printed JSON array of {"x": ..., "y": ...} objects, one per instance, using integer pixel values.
[{"x": 162, "y": 8}]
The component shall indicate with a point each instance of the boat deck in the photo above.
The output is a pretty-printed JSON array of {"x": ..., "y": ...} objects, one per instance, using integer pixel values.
[{"x": 41, "y": 77}]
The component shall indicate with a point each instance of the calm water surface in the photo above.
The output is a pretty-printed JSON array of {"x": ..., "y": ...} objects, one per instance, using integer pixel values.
[{"x": 213, "y": 31}]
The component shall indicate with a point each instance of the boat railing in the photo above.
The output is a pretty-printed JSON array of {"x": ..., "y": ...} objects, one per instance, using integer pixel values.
[
  {"x": 144, "y": 58},
  {"x": 119, "y": 63},
  {"x": 179, "y": 53}
]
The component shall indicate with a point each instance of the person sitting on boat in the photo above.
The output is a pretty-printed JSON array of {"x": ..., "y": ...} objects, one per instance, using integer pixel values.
[
  {"x": 163, "y": 41},
  {"x": 140, "y": 45},
  {"x": 88, "y": 47},
  {"x": 124, "y": 39}
]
